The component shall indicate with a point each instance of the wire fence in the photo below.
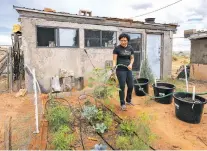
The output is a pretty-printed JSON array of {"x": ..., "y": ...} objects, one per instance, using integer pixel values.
[{"x": 4, "y": 69}]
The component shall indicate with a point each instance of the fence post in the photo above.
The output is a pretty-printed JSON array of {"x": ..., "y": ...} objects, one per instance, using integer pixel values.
[
  {"x": 35, "y": 101},
  {"x": 7, "y": 134},
  {"x": 10, "y": 71}
]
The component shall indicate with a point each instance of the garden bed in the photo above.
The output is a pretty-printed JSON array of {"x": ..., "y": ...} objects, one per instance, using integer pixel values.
[{"x": 94, "y": 125}]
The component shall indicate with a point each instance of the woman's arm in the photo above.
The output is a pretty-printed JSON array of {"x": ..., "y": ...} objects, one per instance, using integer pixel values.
[
  {"x": 114, "y": 60},
  {"x": 131, "y": 59}
]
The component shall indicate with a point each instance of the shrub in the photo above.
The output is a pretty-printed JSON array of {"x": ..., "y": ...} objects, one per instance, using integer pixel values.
[
  {"x": 104, "y": 88},
  {"x": 62, "y": 139},
  {"x": 108, "y": 120},
  {"x": 58, "y": 116},
  {"x": 146, "y": 72},
  {"x": 123, "y": 142},
  {"x": 128, "y": 127}
]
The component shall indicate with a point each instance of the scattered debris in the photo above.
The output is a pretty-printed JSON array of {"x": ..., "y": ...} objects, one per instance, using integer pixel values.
[
  {"x": 49, "y": 10},
  {"x": 92, "y": 139},
  {"x": 21, "y": 93}
]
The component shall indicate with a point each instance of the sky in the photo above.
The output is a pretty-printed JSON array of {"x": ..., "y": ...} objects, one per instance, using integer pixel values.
[{"x": 189, "y": 14}]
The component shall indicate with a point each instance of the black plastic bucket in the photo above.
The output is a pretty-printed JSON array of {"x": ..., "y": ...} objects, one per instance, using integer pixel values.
[
  {"x": 163, "y": 89},
  {"x": 140, "y": 85},
  {"x": 188, "y": 111}
]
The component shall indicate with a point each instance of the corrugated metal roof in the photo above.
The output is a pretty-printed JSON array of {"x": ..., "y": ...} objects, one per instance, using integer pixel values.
[{"x": 81, "y": 16}]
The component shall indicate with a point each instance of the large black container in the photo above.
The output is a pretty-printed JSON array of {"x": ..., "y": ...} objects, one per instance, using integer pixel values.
[
  {"x": 188, "y": 111},
  {"x": 163, "y": 89},
  {"x": 141, "y": 85}
]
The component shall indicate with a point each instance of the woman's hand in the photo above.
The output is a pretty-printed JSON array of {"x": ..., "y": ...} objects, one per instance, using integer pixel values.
[
  {"x": 113, "y": 70},
  {"x": 130, "y": 67}
]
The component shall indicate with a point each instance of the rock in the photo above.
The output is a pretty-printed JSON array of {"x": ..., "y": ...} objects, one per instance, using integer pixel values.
[{"x": 22, "y": 93}]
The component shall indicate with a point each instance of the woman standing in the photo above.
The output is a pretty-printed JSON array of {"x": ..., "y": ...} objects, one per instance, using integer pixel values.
[{"x": 124, "y": 54}]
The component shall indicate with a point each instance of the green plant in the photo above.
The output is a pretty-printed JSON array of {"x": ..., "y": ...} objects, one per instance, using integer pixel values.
[
  {"x": 123, "y": 142},
  {"x": 104, "y": 88},
  {"x": 145, "y": 71},
  {"x": 63, "y": 139},
  {"x": 99, "y": 115},
  {"x": 89, "y": 112},
  {"x": 143, "y": 128},
  {"x": 99, "y": 147},
  {"x": 100, "y": 128},
  {"x": 128, "y": 127},
  {"x": 58, "y": 116},
  {"x": 138, "y": 144},
  {"x": 129, "y": 140},
  {"x": 130, "y": 143},
  {"x": 108, "y": 120}
]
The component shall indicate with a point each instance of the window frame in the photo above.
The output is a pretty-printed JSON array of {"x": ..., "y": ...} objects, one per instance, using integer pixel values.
[
  {"x": 100, "y": 47},
  {"x": 57, "y": 37},
  {"x": 141, "y": 50}
]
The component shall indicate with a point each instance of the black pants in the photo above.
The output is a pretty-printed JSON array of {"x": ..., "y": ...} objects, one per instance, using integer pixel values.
[{"x": 125, "y": 77}]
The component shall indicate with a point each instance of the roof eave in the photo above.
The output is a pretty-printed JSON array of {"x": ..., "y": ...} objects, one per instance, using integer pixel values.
[{"x": 51, "y": 13}]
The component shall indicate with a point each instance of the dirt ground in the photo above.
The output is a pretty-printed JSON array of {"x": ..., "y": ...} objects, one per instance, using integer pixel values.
[
  {"x": 22, "y": 123},
  {"x": 171, "y": 132}
]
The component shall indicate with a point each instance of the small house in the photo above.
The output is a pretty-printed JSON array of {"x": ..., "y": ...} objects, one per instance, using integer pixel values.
[
  {"x": 58, "y": 40},
  {"x": 198, "y": 56}
]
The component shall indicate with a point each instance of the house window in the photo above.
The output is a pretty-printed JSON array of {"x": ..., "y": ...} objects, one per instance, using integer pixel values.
[
  {"x": 97, "y": 38},
  {"x": 57, "y": 37},
  {"x": 92, "y": 38},
  {"x": 136, "y": 43},
  {"x": 46, "y": 37},
  {"x": 68, "y": 37},
  {"x": 108, "y": 38}
]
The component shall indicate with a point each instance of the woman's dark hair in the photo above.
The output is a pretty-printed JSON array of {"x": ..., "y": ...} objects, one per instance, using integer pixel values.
[{"x": 124, "y": 36}]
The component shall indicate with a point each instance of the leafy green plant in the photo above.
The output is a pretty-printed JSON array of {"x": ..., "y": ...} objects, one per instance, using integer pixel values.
[
  {"x": 99, "y": 147},
  {"x": 100, "y": 128},
  {"x": 104, "y": 88},
  {"x": 130, "y": 143},
  {"x": 146, "y": 71},
  {"x": 108, "y": 120},
  {"x": 143, "y": 128},
  {"x": 58, "y": 116},
  {"x": 99, "y": 115},
  {"x": 123, "y": 142},
  {"x": 89, "y": 112},
  {"x": 128, "y": 127},
  {"x": 63, "y": 139},
  {"x": 138, "y": 144}
]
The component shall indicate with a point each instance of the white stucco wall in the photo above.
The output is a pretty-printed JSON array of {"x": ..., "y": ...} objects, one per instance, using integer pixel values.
[{"x": 48, "y": 61}]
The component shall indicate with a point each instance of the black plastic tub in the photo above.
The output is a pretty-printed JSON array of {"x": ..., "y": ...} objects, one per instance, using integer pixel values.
[
  {"x": 140, "y": 85},
  {"x": 163, "y": 89},
  {"x": 186, "y": 110}
]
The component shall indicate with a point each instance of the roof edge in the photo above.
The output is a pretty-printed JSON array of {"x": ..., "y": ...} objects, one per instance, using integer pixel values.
[{"x": 18, "y": 8}]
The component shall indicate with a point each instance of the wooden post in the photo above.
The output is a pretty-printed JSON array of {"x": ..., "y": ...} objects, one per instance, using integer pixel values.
[
  {"x": 10, "y": 71},
  {"x": 7, "y": 134}
]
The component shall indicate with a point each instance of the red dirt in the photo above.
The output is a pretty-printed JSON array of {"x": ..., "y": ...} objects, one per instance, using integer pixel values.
[
  {"x": 172, "y": 133},
  {"x": 20, "y": 109}
]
